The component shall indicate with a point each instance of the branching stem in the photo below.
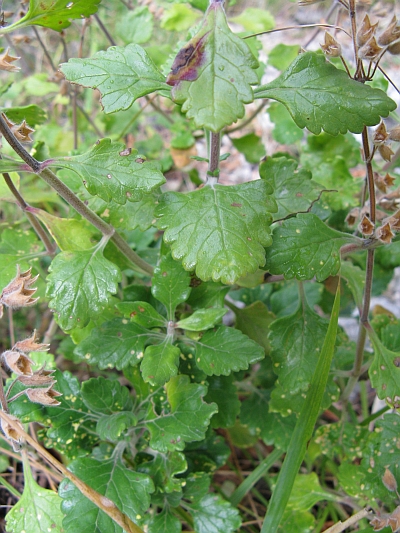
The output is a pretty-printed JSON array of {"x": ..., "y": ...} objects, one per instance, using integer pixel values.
[{"x": 51, "y": 179}]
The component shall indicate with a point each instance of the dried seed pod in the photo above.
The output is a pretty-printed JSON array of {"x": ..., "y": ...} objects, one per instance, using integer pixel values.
[
  {"x": 366, "y": 31},
  {"x": 390, "y": 34},
  {"x": 366, "y": 227},
  {"x": 22, "y": 132},
  {"x": 393, "y": 221},
  {"x": 40, "y": 377},
  {"x": 389, "y": 480},
  {"x": 394, "y": 48},
  {"x": 31, "y": 345},
  {"x": 352, "y": 217},
  {"x": 6, "y": 61},
  {"x": 386, "y": 152},
  {"x": 18, "y": 362},
  {"x": 17, "y": 293},
  {"x": 380, "y": 135},
  {"x": 44, "y": 396},
  {"x": 371, "y": 50},
  {"x": 331, "y": 47},
  {"x": 11, "y": 433},
  {"x": 394, "y": 134},
  {"x": 384, "y": 234},
  {"x": 380, "y": 182}
]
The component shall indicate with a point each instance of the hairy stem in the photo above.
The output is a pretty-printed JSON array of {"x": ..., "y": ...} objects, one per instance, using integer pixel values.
[
  {"x": 51, "y": 179},
  {"x": 214, "y": 151},
  {"x": 104, "y": 30},
  {"x": 102, "y": 502}
]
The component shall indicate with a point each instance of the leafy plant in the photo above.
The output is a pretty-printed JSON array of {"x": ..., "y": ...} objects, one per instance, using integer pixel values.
[{"x": 195, "y": 332}]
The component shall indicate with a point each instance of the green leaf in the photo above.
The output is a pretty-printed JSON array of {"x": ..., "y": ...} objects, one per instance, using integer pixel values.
[
  {"x": 38, "y": 509},
  {"x": 105, "y": 396},
  {"x": 122, "y": 75},
  {"x": 221, "y": 231},
  {"x": 111, "y": 427},
  {"x": 294, "y": 190},
  {"x": 305, "y": 247},
  {"x": 71, "y": 425},
  {"x": 384, "y": 371},
  {"x": 196, "y": 486},
  {"x": 170, "y": 284},
  {"x": 355, "y": 278},
  {"x": 224, "y": 350},
  {"x": 202, "y": 319},
  {"x": 321, "y": 97},
  {"x": 213, "y": 514},
  {"x": 160, "y": 363},
  {"x": 188, "y": 419},
  {"x": 163, "y": 469},
  {"x": 70, "y": 234},
  {"x": 79, "y": 286},
  {"x": 129, "y": 490},
  {"x": 282, "y": 55},
  {"x": 165, "y": 522},
  {"x": 250, "y": 146},
  {"x": 33, "y": 114},
  {"x": 178, "y": 17},
  {"x": 255, "y": 20},
  {"x": 212, "y": 75},
  {"x": 207, "y": 294},
  {"x": 304, "y": 427},
  {"x": 135, "y": 26},
  {"x": 285, "y": 130},
  {"x": 380, "y": 453},
  {"x": 306, "y": 492},
  {"x": 109, "y": 173},
  {"x": 132, "y": 215},
  {"x": 122, "y": 344},
  {"x": 254, "y": 321},
  {"x": 142, "y": 313},
  {"x": 54, "y": 14},
  {"x": 223, "y": 392},
  {"x": 296, "y": 341}
]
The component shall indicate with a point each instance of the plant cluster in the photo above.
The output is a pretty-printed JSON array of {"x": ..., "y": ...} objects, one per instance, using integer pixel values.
[{"x": 155, "y": 387}]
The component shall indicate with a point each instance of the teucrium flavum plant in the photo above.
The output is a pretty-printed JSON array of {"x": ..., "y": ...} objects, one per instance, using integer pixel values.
[{"x": 196, "y": 326}]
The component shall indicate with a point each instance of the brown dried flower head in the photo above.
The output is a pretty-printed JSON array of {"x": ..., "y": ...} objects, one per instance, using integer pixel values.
[
  {"x": 6, "y": 61},
  {"x": 18, "y": 362},
  {"x": 22, "y": 132},
  {"x": 390, "y": 34},
  {"x": 394, "y": 221},
  {"x": 386, "y": 152},
  {"x": 366, "y": 31},
  {"x": 392, "y": 520},
  {"x": 366, "y": 227},
  {"x": 11, "y": 433},
  {"x": 394, "y": 134},
  {"x": 331, "y": 47},
  {"x": 17, "y": 293},
  {"x": 40, "y": 377},
  {"x": 44, "y": 396},
  {"x": 394, "y": 48},
  {"x": 31, "y": 345},
  {"x": 380, "y": 134},
  {"x": 9, "y": 123},
  {"x": 352, "y": 217},
  {"x": 384, "y": 233},
  {"x": 371, "y": 50},
  {"x": 380, "y": 182}
]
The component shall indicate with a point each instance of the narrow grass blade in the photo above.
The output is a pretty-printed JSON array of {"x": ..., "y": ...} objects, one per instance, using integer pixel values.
[{"x": 304, "y": 427}]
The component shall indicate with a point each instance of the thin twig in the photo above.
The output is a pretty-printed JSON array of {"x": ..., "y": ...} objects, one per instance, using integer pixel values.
[
  {"x": 313, "y": 36},
  {"x": 341, "y": 526},
  {"x": 249, "y": 119},
  {"x": 104, "y": 30},
  {"x": 298, "y": 27},
  {"x": 44, "y": 48}
]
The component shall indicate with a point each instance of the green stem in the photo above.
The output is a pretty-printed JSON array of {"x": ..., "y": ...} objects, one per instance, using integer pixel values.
[
  {"x": 51, "y": 179},
  {"x": 254, "y": 477},
  {"x": 41, "y": 233},
  {"x": 10, "y": 488}
]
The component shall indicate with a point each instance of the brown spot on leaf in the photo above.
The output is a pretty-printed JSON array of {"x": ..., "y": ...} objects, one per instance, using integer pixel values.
[
  {"x": 187, "y": 62},
  {"x": 396, "y": 362},
  {"x": 236, "y": 204}
]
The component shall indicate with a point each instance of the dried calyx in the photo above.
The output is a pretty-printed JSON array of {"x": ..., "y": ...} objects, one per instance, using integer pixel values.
[
  {"x": 331, "y": 47},
  {"x": 18, "y": 293}
]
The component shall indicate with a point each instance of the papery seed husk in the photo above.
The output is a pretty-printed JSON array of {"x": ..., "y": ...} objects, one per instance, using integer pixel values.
[
  {"x": 30, "y": 345},
  {"x": 389, "y": 480},
  {"x": 18, "y": 362},
  {"x": 9, "y": 431}
]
